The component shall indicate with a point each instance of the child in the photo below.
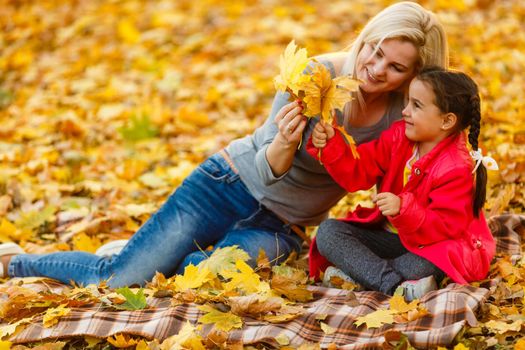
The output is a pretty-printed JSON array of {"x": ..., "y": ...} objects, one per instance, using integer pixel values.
[{"x": 428, "y": 219}]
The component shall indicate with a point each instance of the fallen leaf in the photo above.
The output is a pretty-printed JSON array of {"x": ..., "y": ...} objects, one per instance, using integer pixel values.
[
  {"x": 134, "y": 301},
  {"x": 53, "y": 315},
  {"x": 376, "y": 319},
  {"x": 224, "y": 321}
]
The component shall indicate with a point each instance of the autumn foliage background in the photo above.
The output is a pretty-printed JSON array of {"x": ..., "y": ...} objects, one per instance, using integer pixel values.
[{"x": 106, "y": 106}]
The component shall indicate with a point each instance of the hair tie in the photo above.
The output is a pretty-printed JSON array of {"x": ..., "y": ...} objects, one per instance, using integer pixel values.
[{"x": 488, "y": 162}]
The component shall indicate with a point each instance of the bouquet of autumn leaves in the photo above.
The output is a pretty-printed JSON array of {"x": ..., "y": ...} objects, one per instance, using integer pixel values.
[{"x": 321, "y": 95}]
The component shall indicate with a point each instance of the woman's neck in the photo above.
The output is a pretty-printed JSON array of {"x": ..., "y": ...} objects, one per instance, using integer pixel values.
[{"x": 375, "y": 106}]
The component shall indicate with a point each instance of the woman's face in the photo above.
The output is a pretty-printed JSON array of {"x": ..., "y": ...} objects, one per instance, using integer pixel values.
[{"x": 387, "y": 67}]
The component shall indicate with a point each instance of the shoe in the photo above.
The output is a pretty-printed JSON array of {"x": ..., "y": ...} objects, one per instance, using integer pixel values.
[
  {"x": 416, "y": 289},
  {"x": 8, "y": 249},
  {"x": 333, "y": 271},
  {"x": 111, "y": 248}
]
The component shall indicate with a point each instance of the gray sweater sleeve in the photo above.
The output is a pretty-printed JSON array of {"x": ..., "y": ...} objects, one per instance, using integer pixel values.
[{"x": 267, "y": 135}]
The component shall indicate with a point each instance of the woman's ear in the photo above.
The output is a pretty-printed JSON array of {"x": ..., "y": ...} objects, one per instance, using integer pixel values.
[{"x": 449, "y": 121}]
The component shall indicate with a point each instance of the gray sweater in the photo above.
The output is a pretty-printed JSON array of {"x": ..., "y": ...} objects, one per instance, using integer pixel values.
[{"x": 306, "y": 192}]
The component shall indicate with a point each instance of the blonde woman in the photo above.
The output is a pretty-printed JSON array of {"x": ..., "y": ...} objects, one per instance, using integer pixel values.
[{"x": 260, "y": 191}]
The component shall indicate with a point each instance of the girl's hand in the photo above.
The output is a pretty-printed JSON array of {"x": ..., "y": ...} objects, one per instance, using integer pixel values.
[
  {"x": 321, "y": 134},
  {"x": 388, "y": 203},
  {"x": 291, "y": 124}
]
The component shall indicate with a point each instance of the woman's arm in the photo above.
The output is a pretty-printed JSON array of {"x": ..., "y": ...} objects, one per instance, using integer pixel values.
[{"x": 281, "y": 151}]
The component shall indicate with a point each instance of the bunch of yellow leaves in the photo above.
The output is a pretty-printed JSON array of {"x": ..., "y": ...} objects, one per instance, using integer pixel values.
[{"x": 321, "y": 95}]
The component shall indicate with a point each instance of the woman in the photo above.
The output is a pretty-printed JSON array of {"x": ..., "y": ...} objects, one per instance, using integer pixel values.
[{"x": 261, "y": 190}]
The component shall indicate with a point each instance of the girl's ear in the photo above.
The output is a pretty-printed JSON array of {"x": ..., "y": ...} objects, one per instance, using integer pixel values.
[{"x": 449, "y": 121}]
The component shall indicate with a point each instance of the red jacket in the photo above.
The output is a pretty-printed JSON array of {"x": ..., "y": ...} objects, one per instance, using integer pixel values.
[{"x": 435, "y": 220}]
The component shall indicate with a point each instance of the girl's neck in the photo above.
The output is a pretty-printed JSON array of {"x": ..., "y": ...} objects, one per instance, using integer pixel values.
[{"x": 427, "y": 146}]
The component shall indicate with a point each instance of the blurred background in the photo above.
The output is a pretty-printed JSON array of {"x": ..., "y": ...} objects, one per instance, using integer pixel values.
[{"x": 105, "y": 106}]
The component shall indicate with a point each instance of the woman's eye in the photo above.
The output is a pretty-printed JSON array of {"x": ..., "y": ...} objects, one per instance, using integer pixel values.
[{"x": 397, "y": 69}]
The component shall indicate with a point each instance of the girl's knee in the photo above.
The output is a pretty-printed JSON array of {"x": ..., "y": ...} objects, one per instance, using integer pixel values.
[{"x": 325, "y": 234}]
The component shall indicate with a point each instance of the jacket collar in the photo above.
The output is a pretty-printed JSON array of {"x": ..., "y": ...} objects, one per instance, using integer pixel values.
[{"x": 422, "y": 165}]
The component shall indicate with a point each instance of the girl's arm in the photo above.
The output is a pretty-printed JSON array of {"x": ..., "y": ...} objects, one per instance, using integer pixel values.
[
  {"x": 357, "y": 174},
  {"x": 447, "y": 214}
]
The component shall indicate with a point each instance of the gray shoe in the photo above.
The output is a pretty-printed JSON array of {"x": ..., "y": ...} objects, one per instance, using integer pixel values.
[
  {"x": 333, "y": 271},
  {"x": 8, "y": 248},
  {"x": 416, "y": 289},
  {"x": 111, "y": 248}
]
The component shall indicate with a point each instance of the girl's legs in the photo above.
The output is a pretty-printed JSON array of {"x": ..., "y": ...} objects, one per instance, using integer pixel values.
[
  {"x": 199, "y": 213},
  {"x": 375, "y": 258}
]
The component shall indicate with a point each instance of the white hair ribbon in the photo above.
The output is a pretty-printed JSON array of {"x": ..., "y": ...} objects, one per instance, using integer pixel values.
[{"x": 488, "y": 162}]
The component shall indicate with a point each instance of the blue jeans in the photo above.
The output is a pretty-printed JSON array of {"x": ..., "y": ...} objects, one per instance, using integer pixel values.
[{"x": 211, "y": 207}]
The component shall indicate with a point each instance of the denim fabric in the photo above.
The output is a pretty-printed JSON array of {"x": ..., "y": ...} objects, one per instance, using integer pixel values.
[{"x": 211, "y": 207}]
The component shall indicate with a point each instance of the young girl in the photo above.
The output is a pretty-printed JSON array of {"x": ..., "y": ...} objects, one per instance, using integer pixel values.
[{"x": 428, "y": 218}]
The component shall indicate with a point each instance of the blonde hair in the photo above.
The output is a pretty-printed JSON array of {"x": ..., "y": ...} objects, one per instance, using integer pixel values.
[{"x": 407, "y": 21}]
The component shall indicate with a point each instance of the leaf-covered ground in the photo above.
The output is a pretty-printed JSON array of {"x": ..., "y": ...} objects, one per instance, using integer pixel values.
[{"x": 105, "y": 106}]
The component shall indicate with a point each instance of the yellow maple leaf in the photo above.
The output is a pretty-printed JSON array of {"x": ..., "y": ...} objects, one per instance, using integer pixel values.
[
  {"x": 398, "y": 304},
  {"x": 326, "y": 328},
  {"x": 85, "y": 243},
  {"x": 501, "y": 327},
  {"x": 520, "y": 344},
  {"x": 224, "y": 259},
  {"x": 53, "y": 315},
  {"x": 12, "y": 328},
  {"x": 323, "y": 94},
  {"x": 292, "y": 65},
  {"x": 376, "y": 319},
  {"x": 224, "y": 321},
  {"x": 246, "y": 279},
  {"x": 187, "y": 338},
  {"x": 193, "y": 277},
  {"x": 461, "y": 346},
  {"x": 7, "y": 231},
  {"x": 122, "y": 340}
]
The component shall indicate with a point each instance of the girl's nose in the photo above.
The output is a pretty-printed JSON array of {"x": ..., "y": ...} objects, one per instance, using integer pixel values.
[{"x": 405, "y": 112}]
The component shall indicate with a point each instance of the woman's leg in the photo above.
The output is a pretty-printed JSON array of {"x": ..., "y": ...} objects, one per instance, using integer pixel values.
[
  {"x": 364, "y": 254},
  {"x": 198, "y": 213},
  {"x": 263, "y": 230}
]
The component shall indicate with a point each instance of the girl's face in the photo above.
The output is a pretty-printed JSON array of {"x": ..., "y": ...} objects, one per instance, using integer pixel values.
[
  {"x": 424, "y": 121},
  {"x": 386, "y": 67}
]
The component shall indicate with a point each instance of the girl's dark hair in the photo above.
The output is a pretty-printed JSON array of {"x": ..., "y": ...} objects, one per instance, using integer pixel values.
[{"x": 457, "y": 93}]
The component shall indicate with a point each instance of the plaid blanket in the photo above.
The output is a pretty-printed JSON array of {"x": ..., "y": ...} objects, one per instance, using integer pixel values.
[{"x": 450, "y": 309}]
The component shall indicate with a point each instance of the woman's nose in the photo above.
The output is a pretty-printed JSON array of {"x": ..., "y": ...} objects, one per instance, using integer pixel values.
[{"x": 379, "y": 68}]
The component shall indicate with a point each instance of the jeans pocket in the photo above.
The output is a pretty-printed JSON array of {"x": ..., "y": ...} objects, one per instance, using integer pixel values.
[{"x": 217, "y": 169}]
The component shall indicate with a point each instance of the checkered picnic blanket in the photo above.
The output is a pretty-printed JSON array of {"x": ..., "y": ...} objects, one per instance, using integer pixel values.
[{"x": 450, "y": 309}]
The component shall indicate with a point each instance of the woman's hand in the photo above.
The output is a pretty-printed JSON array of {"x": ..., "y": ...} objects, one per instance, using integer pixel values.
[
  {"x": 321, "y": 134},
  {"x": 388, "y": 203},
  {"x": 291, "y": 124}
]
